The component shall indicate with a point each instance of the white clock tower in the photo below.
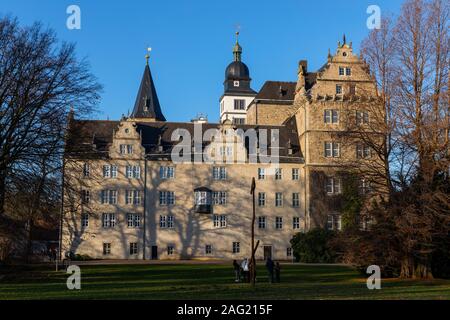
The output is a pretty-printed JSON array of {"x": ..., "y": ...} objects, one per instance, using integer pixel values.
[{"x": 237, "y": 95}]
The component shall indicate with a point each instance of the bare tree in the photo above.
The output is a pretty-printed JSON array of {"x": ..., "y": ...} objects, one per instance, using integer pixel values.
[
  {"x": 407, "y": 137},
  {"x": 40, "y": 79}
]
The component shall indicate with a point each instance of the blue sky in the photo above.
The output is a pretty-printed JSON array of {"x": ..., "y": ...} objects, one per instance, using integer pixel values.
[{"x": 192, "y": 41}]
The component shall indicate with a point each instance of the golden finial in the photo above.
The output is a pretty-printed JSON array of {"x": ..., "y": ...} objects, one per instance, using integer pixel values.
[{"x": 147, "y": 56}]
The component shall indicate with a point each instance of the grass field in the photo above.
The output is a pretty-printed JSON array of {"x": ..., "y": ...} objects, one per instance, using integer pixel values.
[{"x": 208, "y": 281}]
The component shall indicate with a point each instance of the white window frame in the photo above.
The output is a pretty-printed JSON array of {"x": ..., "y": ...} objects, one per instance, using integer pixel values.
[
  {"x": 333, "y": 185},
  {"x": 134, "y": 249},
  {"x": 296, "y": 223},
  {"x": 261, "y": 199},
  {"x": 261, "y": 173},
  {"x": 108, "y": 220},
  {"x": 219, "y": 173},
  {"x": 332, "y": 149},
  {"x": 262, "y": 222},
  {"x": 295, "y": 174},
  {"x": 85, "y": 220},
  {"x": 278, "y": 199},
  {"x": 278, "y": 173},
  {"x": 86, "y": 170},
  {"x": 278, "y": 223},
  {"x": 219, "y": 198},
  {"x": 236, "y": 248},
  {"x": 295, "y": 199}
]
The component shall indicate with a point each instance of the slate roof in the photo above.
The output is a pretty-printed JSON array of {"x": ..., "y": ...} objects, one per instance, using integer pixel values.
[
  {"x": 147, "y": 103},
  {"x": 282, "y": 91},
  {"x": 91, "y": 139}
]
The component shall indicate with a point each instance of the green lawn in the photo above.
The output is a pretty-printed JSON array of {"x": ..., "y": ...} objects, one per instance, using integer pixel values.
[{"x": 187, "y": 281}]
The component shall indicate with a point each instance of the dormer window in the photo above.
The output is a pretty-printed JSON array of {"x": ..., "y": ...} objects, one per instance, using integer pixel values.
[
  {"x": 341, "y": 71},
  {"x": 348, "y": 71},
  {"x": 236, "y": 83}
]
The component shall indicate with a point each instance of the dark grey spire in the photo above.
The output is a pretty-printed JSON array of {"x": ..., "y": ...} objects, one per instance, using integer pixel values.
[{"x": 147, "y": 103}]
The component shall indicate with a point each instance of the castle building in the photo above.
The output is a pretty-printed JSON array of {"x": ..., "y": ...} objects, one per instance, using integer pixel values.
[{"x": 128, "y": 196}]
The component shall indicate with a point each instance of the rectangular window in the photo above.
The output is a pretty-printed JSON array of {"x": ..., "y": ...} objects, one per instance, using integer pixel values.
[
  {"x": 341, "y": 71},
  {"x": 170, "y": 250},
  {"x": 331, "y": 116},
  {"x": 163, "y": 222},
  {"x": 166, "y": 222},
  {"x": 261, "y": 173},
  {"x": 348, "y": 71},
  {"x": 133, "y": 248},
  {"x": 333, "y": 186},
  {"x": 261, "y": 199},
  {"x": 364, "y": 186},
  {"x": 126, "y": 149},
  {"x": 166, "y": 172},
  {"x": 106, "y": 248},
  {"x": 279, "y": 223},
  {"x": 332, "y": 149},
  {"x": 166, "y": 198},
  {"x": 220, "y": 221},
  {"x": 239, "y": 104},
  {"x": 133, "y": 220},
  {"x": 296, "y": 200},
  {"x": 170, "y": 220},
  {"x": 261, "y": 222},
  {"x": 296, "y": 223},
  {"x": 295, "y": 174},
  {"x": 288, "y": 252},
  {"x": 220, "y": 198},
  {"x": 238, "y": 120},
  {"x": 219, "y": 173},
  {"x": 109, "y": 196},
  {"x": 86, "y": 170},
  {"x": 236, "y": 247},
  {"x": 278, "y": 174},
  {"x": 133, "y": 172},
  {"x": 85, "y": 196},
  {"x": 352, "y": 89},
  {"x": 108, "y": 220},
  {"x": 338, "y": 89},
  {"x": 113, "y": 171},
  {"x": 278, "y": 199},
  {"x": 106, "y": 171},
  {"x": 85, "y": 220},
  {"x": 362, "y": 151},
  {"x": 208, "y": 249},
  {"x": 362, "y": 117},
  {"x": 334, "y": 222}
]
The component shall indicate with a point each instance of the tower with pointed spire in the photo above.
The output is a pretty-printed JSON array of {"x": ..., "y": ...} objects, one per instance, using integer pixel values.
[
  {"x": 147, "y": 107},
  {"x": 237, "y": 94}
]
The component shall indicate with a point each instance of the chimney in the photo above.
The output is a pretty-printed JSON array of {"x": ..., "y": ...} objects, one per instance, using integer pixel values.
[{"x": 304, "y": 65}]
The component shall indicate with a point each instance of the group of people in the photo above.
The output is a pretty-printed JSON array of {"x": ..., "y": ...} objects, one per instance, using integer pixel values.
[{"x": 242, "y": 270}]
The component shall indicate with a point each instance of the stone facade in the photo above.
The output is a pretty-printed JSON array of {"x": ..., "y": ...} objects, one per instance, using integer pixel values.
[{"x": 163, "y": 221}]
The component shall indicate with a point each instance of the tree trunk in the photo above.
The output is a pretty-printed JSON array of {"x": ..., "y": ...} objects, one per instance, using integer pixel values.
[{"x": 2, "y": 191}]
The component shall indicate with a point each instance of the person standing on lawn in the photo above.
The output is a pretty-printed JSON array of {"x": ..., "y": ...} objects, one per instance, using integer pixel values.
[
  {"x": 277, "y": 272},
  {"x": 270, "y": 266},
  {"x": 237, "y": 271},
  {"x": 245, "y": 270}
]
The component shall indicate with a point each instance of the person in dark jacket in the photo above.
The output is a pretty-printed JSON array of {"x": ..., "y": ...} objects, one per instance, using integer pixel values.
[
  {"x": 277, "y": 271},
  {"x": 270, "y": 266},
  {"x": 237, "y": 271}
]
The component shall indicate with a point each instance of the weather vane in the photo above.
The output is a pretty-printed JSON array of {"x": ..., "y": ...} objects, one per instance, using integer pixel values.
[{"x": 147, "y": 56}]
